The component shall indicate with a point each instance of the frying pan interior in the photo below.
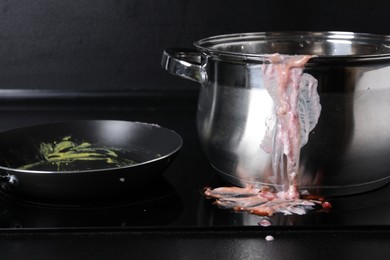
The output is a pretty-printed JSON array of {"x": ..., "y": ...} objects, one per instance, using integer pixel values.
[{"x": 149, "y": 148}]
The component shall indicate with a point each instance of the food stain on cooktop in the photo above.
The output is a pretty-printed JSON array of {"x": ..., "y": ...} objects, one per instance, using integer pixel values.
[
  {"x": 263, "y": 201},
  {"x": 69, "y": 155},
  {"x": 297, "y": 110}
]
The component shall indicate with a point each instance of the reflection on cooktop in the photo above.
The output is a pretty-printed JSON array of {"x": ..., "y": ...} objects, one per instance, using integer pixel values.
[
  {"x": 156, "y": 205},
  {"x": 369, "y": 208}
]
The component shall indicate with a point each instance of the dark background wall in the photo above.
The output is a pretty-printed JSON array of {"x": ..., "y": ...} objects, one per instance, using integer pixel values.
[{"x": 117, "y": 44}]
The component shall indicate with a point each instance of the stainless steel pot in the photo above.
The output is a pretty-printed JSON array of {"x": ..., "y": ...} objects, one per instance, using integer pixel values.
[{"x": 349, "y": 149}]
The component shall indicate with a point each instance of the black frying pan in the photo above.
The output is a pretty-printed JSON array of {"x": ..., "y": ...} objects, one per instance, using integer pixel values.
[{"x": 84, "y": 159}]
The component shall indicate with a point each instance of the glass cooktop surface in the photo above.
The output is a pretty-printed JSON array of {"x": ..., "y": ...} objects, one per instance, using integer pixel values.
[{"x": 174, "y": 199}]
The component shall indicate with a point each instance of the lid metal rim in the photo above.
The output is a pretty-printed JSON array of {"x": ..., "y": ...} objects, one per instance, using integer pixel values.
[{"x": 380, "y": 40}]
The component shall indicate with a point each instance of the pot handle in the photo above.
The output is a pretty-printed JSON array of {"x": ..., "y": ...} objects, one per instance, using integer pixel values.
[{"x": 185, "y": 63}]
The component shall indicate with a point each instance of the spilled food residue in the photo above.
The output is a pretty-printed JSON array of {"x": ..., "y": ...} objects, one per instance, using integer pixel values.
[
  {"x": 262, "y": 202},
  {"x": 296, "y": 113},
  {"x": 68, "y": 155}
]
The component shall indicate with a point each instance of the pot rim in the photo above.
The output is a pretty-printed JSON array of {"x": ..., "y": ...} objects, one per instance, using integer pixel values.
[{"x": 379, "y": 44}]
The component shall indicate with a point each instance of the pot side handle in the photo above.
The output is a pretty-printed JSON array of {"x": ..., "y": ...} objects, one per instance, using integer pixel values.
[{"x": 185, "y": 63}]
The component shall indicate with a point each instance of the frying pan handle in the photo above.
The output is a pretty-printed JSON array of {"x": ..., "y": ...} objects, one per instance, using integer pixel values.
[
  {"x": 8, "y": 182},
  {"x": 185, "y": 63}
]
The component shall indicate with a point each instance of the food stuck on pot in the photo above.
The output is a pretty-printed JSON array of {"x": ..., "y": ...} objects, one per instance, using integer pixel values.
[
  {"x": 341, "y": 144},
  {"x": 295, "y": 115}
]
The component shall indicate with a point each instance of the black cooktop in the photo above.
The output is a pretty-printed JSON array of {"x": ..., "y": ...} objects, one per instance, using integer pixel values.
[
  {"x": 174, "y": 199},
  {"x": 172, "y": 206}
]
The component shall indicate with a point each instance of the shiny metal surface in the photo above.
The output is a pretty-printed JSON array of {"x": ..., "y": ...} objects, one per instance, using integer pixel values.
[
  {"x": 184, "y": 63},
  {"x": 349, "y": 149}
]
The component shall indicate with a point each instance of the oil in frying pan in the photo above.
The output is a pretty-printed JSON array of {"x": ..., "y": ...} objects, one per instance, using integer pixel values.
[{"x": 67, "y": 155}]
